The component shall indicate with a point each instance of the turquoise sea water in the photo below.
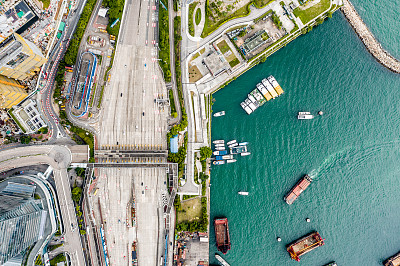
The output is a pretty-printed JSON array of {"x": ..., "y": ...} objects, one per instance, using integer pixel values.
[{"x": 352, "y": 151}]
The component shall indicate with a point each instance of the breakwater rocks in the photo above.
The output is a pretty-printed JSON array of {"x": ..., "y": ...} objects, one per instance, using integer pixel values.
[{"x": 372, "y": 45}]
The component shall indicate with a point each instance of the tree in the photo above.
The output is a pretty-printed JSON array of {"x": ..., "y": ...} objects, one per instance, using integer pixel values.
[
  {"x": 76, "y": 194},
  {"x": 25, "y": 139},
  {"x": 205, "y": 152}
]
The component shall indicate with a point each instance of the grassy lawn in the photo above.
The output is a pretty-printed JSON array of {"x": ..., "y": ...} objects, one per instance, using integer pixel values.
[
  {"x": 312, "y": 12},
  {"x": 198, "y": 16},
  {"x": 202, "y": 51},
  {"x": 194, "y": 74},
  {"x": 234, "y": 62},
  {"x": 211, "y": 26},
  {"x": 192, "y": 6},
  {"x": 223, "y": 46},
  {"x": 262, "y": 3},
  {"x": 191, "y": 210}
]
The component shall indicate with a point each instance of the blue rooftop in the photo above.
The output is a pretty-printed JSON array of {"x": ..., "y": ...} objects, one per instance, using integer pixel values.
[{"x": 173, "y": 144}]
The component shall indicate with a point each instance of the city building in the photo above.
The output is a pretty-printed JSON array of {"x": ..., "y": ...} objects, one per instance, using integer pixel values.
[
  {"x": 28, "y": 116},
  {"x": 19, "y": 58},
  {"x": 255, "y": 41},
  {"x": 11, "y": 92},
  {"x": 216, "y": 63},
  {"x": 22, "y": 220}
]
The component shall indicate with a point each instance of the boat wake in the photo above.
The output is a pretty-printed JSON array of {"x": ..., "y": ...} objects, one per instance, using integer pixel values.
[{"x": 353, "y": 158}]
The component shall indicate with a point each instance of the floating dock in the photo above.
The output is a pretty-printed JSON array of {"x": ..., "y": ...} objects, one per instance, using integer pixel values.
[{"x": 268, "y": 89}]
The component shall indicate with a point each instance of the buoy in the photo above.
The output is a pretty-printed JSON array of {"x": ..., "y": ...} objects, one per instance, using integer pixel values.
[
  {"x": 320, "y": 113},
  {"x": 279, "y": 239},
  {"x": 308, "y": 220}
]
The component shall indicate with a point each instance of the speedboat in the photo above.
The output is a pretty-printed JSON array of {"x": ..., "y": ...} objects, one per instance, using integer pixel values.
[
  {"x": 243, "y": 193},
  {"x": 304, "y": 116},
  {"x": 219, "y": 114}
]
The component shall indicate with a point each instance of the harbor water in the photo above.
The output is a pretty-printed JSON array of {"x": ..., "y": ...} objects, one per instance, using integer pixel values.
[{"x": 352, "y": 151}]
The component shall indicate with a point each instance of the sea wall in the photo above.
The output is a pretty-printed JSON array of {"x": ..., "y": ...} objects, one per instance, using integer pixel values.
[{"x": 372, "y": 45}]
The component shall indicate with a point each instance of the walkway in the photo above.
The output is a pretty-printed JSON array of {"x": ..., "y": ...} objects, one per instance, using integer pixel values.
[{"x": 372, "y": 45}]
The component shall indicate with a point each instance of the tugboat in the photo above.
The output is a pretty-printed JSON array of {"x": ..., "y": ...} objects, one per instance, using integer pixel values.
[
  {"x": 222, "y": 235},
  {"x": 305, "y": 245},
  {"x": 222, "y": 113},
  {"x": 304, "y": 115}
]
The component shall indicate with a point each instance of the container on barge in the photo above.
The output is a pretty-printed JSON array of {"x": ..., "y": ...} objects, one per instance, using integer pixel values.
[
  {"x": 222, "y": 238},
  {"x": 305, "y": 245}
]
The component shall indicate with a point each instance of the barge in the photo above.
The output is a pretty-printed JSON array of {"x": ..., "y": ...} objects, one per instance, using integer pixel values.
[
  {"x": 266, "y": 90},
  {"x": 393, "y": 261},
  {"x": 222, "y": 238},
  {"x": 305, "y": 245},
  {"x": 295, "y": 192}
]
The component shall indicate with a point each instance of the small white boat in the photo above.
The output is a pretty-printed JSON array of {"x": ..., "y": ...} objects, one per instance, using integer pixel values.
[
  {"x": 231, "y": 161},
  {"x": 227, "y": 157},
  {"x": 231, "y": 142},
  {"x": 219, "y": 145},
  {"x": 218, "y": 162},
  {"x": 219, "y": 148},
  {"x": 245, "y": 153},
  {"x": 244, "y": 193},
  {"x": 233, "y": 145},
  {"x": 304, "y": 115},
  {"x": 243, "y": 143},
  {"x": 219, "y": 141},
  {"x": 219, "y": 114}
]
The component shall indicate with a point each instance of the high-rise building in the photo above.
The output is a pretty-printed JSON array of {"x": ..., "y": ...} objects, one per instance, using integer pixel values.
[
  {"x": 19, "y": 58},
  {"x": 11, "y": 93},
  {"x": 22, "y": 220}
]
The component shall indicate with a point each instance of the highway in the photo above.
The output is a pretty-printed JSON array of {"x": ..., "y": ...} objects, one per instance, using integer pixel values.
[
  {"x": 46, "y": 86},
  {"x": 131, "y": 119},
  {"x": 59, "y": 157}
]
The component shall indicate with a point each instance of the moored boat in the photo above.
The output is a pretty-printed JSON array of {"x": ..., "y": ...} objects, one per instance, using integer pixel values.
[
  {"x": 305, "y": 245},
  {"x": 243, "y": 193},
  {"x": 243, "y": 143},
  {"x": 219, "y": 145},
  {"x": 245, "y": 153},
  {"x": 221, "y": 260},
  {"x": 219, "y": 141},
  {"x": 304, "y": 116},
  {"x": 295, "y": 192},
  {"x": 231, "y": 161},
  {"x": 219, "y": 148},
  {"x": 218, "y": 162},
  {"x": 238, "y": 149},
  {"x": 222, "y": 238},
  {"x": 231, "y": 142},
  {"x": 233, "y": 145},
  {"x": 219, "y": 114},
  {"x": 224, "y": 152}
]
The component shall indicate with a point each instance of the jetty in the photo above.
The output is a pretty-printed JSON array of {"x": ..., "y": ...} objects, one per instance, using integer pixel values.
[{"x": 366, "y": 36}]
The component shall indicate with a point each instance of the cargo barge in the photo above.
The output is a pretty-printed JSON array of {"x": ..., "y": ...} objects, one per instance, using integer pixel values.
[
  {"x": 305, "y": 245},
  {"x": 295, "y": 192},
  {"x": 266, "y": 90},
  {"x": 222, "y": 235},
  {"x": 393, "y": 261}
]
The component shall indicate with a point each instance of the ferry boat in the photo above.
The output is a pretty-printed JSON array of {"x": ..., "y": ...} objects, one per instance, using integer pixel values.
[
  {"x": 243, "y": 143},
  {"x": 245, "y": 153},
  {"x": 243, "y": 193},
  {"x": 393, "y": 261},
  {"x": 305, "y": 245},
  {"x": 231, "y": 161},
  {"x": 218, "y": 162},
  {"x": 304, "y": 115},
  {"x": 266, "y": 90},
  {"x": 221, "y": 260},
  {"x": 222, "y": 113},
  {"x": 224, "y": 152},
  {"x": 295, "y": 192},
  {"x": 219, "y": 148},
  {"x": 231, "y": 142},
  {"x": 219, "y": 141},
  {"x": 134, "y": 254},
  {"x": 222, "y": 238}
]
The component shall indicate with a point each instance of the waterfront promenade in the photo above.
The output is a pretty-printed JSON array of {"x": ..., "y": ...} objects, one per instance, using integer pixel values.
[{"x": 366, "y": 36}]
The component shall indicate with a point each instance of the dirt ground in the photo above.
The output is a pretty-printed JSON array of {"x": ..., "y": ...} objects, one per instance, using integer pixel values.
[{"x": 191, "y": 210}]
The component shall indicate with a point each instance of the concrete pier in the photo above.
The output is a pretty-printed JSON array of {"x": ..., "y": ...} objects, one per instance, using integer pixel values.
[{"x": 372, "y": 45}]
